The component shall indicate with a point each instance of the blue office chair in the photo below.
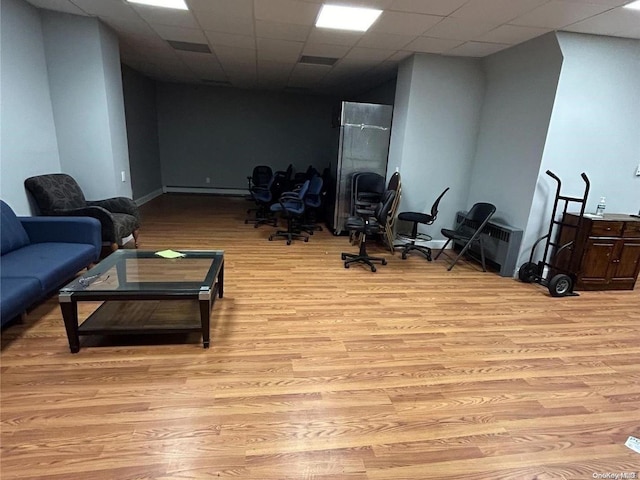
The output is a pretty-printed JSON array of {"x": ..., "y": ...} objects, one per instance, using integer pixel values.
[
  {"x": 291, "y": 206},
  {"x": 312, "y": 202}
]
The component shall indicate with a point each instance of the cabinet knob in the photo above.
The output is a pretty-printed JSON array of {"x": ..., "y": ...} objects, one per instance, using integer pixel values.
[{"x": 616, "y": 261}]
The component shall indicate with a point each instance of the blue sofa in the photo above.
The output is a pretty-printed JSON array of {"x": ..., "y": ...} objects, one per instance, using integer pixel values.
[{"x": 39, "y": 254}]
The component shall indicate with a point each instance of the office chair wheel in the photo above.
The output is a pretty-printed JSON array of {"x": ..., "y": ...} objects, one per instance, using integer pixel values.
[
  {"x": 343, "y": 256},
  {"x": 270, "y": 237},
  {"x": 246, "y": 221},
  {"x": 384, "y": 262},
  {"x": 306, "y": 239},
  {"x": 404, "y": 255},
  {"x": 346, "y": 265},
  {"x": 373, "y": 269},
  {"x": 560, "y": 285},
  {"x": 288, "y": 242},
  {"x": 528, "y": 272}
]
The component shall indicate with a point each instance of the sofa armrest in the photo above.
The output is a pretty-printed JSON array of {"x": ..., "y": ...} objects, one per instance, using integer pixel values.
[
  {"x": 118, "y": 205},
  {"x": 85, "y": 230}
]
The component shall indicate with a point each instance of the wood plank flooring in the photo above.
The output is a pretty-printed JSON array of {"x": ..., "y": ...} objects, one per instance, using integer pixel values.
[{"x": 319, "y": 372}]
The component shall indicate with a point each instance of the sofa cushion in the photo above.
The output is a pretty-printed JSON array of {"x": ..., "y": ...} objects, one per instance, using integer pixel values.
[
  {"x": 17, "y": 294},
  {"x": 51, "y": 263},
  {"x": 12, "y": 233}
]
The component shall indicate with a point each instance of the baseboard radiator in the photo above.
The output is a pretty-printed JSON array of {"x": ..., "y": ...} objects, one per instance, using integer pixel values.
[{"x": 501, "y": 245}]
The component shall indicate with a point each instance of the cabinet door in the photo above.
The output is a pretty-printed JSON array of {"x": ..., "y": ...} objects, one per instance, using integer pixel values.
[
  {"x": 597, "y": 263},
  {"x": 628, "y": 261}
]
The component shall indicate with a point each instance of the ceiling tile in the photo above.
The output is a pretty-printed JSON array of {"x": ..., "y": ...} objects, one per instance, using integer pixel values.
[
  {"x": 431, "y": 7},
  {"x": 282, "y": 31},
  {"x": 325, "y": 50},
  {"x": 495, "y": 11},
  {"x": 166, "y": 16},
  {"x": 180, "y": 34},
  {"x": 476, "y": 49},
  {"x": 204, "y": 66},
  {"x": 305, "y": 74},
  {"x": 404, "y": 23},
  {"x": 459, "y": 29},
  {"x": 231, "y": 40},
  {"x": 287, "y": 11},
  {"x": 234, "y": 69},
  {"x": 433, "y": 45},
  {"x": 558, "y": 14},
  {"x": 222, "y": 8},
  {"x": 226, "y": 24},
  {"x": 385, "y": 40},
  {"x": 399, "y": 56},
  {"x": 278, "y": 50},
  {"x": 608, "y": 23},
  {"x": 105, "y": 8},
  {"x": 511, "y": 34},
  {"x": 368, "y": 54},
  {"x": 58, "y": 5},
  {"x": 228, "y": 55},
  {"x": 334, "y": 37}
]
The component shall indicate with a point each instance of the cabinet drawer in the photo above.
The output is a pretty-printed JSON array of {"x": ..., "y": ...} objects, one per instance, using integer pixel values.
[
  {"x": 606, "y": 229},
  {"x": 631, "y": 230}
]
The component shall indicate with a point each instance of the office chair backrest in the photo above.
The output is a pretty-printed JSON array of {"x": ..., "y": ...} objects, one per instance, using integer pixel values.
[
  {"x": 436, "y": 204},
  {"x": 384, "y": 207},
  {"x": 394, "y": 182},
  {"x": 314, "y": 194},
  {"x": 261, "y": 175}
]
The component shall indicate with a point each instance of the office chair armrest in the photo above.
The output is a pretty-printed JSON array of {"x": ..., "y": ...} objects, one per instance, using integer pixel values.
[{"x": 299, "y": 203}]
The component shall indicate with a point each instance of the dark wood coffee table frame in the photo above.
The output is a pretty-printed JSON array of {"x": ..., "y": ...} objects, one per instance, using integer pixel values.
[{"x": 203, "y": 292}]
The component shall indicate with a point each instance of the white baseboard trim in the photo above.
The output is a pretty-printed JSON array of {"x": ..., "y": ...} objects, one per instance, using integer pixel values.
[
  {"x": 218, "y": 191},
  {"x": 147, "y": 198}
]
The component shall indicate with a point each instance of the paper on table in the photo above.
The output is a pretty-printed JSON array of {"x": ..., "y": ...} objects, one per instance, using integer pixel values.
[{"x": 169, "y": 254}]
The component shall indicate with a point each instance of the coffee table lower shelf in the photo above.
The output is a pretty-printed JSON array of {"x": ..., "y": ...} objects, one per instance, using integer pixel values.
[{"x": 143, "y": 317}]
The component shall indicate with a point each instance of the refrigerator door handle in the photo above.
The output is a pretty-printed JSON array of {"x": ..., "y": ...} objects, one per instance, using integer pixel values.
[{"x": 362, "y": 126}]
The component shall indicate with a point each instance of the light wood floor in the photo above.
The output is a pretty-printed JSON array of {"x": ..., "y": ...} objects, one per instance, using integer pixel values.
[{"x": 319, "y": 372}]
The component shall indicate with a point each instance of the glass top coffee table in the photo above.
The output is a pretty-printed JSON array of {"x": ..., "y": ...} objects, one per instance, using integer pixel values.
[{"x": 143, "y": 293}]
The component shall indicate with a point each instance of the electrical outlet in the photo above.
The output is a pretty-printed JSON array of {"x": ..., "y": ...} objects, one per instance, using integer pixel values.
[
  {"x": 207, "y": 180},
  {"x": 123, "y": 176}
]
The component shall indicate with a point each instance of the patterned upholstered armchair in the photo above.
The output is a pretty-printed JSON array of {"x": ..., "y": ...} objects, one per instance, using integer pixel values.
[{"x": 60, "y": 194}]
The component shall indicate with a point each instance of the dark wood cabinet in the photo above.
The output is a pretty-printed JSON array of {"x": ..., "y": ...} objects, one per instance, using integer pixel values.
[{"x": 607, "y": 251}]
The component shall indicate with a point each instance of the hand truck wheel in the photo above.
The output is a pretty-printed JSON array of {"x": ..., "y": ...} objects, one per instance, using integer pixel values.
[{"x": 560, "y": 285}]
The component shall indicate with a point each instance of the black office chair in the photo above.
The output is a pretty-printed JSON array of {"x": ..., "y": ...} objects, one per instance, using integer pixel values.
[
  {"x": 313, "y": 202},
  {"x": 265, "y": 198},
  {"x": 419, "y": 218},
  {"x": 369, "y": 222},
  {"x": 291, "y": 206},
  {"x": 367, "y": 187},
  {"x": 257, "y": 182},
  {"x": 468, "y": 232}
]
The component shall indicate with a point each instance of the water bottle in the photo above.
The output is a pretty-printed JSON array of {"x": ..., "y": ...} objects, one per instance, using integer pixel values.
[{"x": 600, "y": 207}]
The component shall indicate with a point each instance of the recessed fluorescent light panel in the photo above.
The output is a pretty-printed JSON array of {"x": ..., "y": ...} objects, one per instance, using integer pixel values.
[
  {"x": 347, "y": 18},
  {"x": 633, "y": 5},
  {"x": 177, "y": 4}
]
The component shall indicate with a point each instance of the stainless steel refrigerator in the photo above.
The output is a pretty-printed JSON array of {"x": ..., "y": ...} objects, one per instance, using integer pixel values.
[{"x": 365, "y": 131}]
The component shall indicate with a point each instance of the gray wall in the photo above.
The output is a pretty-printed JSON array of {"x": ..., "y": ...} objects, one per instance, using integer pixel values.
[
  {"x": 594, "y": 128},
  {"x": 520, "y": 91},
  {"x": 222, "y": 133},
  {"x": 435, "y": 130},
  {"x": 86, "y": 93},
  {"x": 142, "y": 133},
  {"x": 384, "y": 93},
  {"x": 28, "y": 144}
]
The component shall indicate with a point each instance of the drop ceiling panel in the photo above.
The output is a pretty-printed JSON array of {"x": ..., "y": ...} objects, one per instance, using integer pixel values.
[
  {"x": 166, "y": 16},
  {"x": 58, "y": 5},
  {"x": 558, "y": 14},
  {"x": 278, "y": 50},
  {"x": 325, "y": 50},
  {"x": 511, "y": 34},
  {"x": 433, "y": 45},
  {"x": 180, "y": 34},
  {"x": 369, "y": 55},
  {"x": 430, "y": 7},
  {"x": 400, "y": 23},
  {"x": 230, "y": 40},
  {"x": 459, "y": 29},
  {"x": 107, "y": 8},
  {"x": 222, "y": 8},
  {"x": 476, "y": 49},
  {"x": 400, "y": 56},
  {"x": 287, "y": 11},
  {"x": 495, "y": 11},
  {"x": 334, "y": 37},
  {"x": 227, "y": 24},
  {"x": 233, "y": 55},
  {"x": 282, "y": 31},
  {"x": 385, "y": 40},
  {"x": 612, "y": 22}
]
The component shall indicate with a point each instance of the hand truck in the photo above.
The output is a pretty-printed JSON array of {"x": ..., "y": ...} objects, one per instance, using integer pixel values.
[{"x": 557, "y": 276}]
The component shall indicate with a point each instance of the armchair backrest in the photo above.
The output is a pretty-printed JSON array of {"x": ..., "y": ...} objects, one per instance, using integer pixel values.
[{"x": 55, "y": 192}]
